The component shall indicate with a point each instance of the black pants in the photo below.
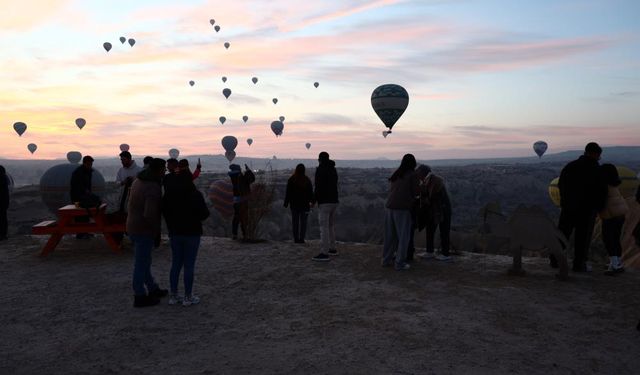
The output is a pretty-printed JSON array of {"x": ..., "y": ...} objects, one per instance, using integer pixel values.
[
  {"x": 299, "y": 223},
  {"x": 240, "y": 217},
  {"x": 611, "y": 233},
  {"x": 445, "y": 229},
  {"x": 582, "y": 223},
  {"x": 4, "y": 223}
]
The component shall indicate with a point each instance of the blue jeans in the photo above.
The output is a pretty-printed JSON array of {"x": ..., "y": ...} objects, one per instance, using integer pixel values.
[
  {"x": 142, "y": 267},
  {"x": 397, "y": 232},
  {"x": 184, "y": 250}
]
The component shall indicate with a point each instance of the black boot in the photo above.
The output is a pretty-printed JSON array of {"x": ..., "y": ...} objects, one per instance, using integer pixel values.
[
  {"x": 158, "y": 293},
  {"x": 144, "y": 301}
]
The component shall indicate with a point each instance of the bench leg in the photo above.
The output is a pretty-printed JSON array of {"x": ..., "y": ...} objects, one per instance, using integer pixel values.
[
  {"x": 113, "y": 243},
  {"x": 53, "y": 241}
]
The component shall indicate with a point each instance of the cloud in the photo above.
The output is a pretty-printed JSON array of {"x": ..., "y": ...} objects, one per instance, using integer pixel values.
[{"x": 28, "y": 14}]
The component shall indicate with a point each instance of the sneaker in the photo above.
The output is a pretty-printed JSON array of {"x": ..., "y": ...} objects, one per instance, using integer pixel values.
[
  {"x": 322, "y": 257},
  {"x": 444, "y": 258},
  {"x": 426, "y": 255},
  {"x": 402, "y": 267},
  {"x": 188, "y": 301},
  {"x": 145, "y": 301},
  {"x": 333, "y": 252},
  {"x": 614, "y": 271},
  {"x": 158, "y": 293},
  {"x": 175, "y": 299}
]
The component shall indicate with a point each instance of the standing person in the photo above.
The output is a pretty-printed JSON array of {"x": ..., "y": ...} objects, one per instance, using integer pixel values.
[
  {"x": 241, "y": 191},
  {"x": 582, "y": 195},
  {"x": 183, "y": 165},
  {"x": 326, "y": 194},
  {"x": 434, "y": 212},
  {"x": 81, "y": 189},
  {"x": 146, "y": 161},
  {"x": 126, "y": 174},
  {"x": 143, "y": 226},
  {"x": 299, "y": 195},
  {"x": 397, "y": 220},
  {"x": 169, "y": 180},
  {"x": 184, "y": 210},
  {"x": 4, "y": 203},
  {"x": 613, "y": 219}
]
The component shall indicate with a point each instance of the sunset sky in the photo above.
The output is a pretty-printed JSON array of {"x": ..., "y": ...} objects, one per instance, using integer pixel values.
[{"x": 485, "y": 78}]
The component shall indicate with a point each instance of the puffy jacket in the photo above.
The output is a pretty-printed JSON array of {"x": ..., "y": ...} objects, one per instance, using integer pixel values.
[
  {"x": 616, "y": 205},
  {"x": 326, "y": 182},
  {"x": 184, "y": 208},
  {"x": 145, "y": 206}
]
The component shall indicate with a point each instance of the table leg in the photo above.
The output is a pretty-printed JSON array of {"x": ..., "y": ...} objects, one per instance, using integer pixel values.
[
  {"x": 53, "y": 241},
  {"x": 113, "y": 244}
]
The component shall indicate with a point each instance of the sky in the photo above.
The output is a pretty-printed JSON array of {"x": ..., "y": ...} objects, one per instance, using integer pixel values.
[{"x": 486, "y": 78}]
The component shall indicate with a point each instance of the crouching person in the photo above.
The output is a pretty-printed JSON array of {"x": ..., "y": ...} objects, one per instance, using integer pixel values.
[{"x": 143, "y": 226}]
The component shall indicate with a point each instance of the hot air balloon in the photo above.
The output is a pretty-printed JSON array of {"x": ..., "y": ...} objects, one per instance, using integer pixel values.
[
  {"x": 385, "y": 133},
  {"x": 32, "y": 147},
  {"x": 245, "y": 118},
  {"x": 132, "y": 42},
  {"x": 249, "y": 141},
  {"x": 389, "y": 102},
  {"x": 74, "y": 157},
  {"x": 277, "y": 127},
  {"x": 20, "y": 128},
  {"x": 230, "y": 155},
  {"x": 229, "y": 142},
  {"x": 80, "y": 122},
  {"x": 221, "y": 196},
  {"x": 316, "y": 84},
  {"x": 226, "y": 45},
  {"x": 222, "y": 119},
  {"x": 224, "y": 79},
  {"x": 174, "y": 153},
  {"x": 191, "y": 83},
  {"x": 123, "y": 39},
  {"x": 275, "y": 100},
  {"x": 217, "y": 28},
  {"x": 107, "y": 46},
  {"x": 124, "y": 147},
  {"x": 282, "y": 118},
  {"x": 212, "y": 21},
  {"x": 226, "y": 93},
  {"x": 254, "y": 80},
  {"x": 540, "y": 148},
  {"x": 307, "y": 145}
]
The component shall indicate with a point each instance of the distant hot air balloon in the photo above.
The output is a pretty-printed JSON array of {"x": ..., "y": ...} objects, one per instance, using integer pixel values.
[
  {"x": 217, "y": 28},
  {"x": 224, "y": 79},
  {"x": 540, "y": 148},
  {"x": 282, "y": 118},
  {"x": 229, "y": 142},
  {"x": 275, "y": 100},
  {"x": 107, "y": 46},
  {"x": 80, "y": 122},
  {"x": 316, "y": 84},
  {"x": 226, "y": 93},
  {"x": 192, "y": 83},
  {"x": 249, "y": 141},
  {"x": 389, "y": 102},
  {"x": 123, "y": 39},
  {"x": 32, "y": 147},
  {"x": 212, "y": 21},
  {"x": 230, "y": 155},
  {"x": 227, "y": 45},
  {"x": 74, "y": 157},
  {"x": 245, "y": 118},
  {"x": 277, "y": 127},
  {"x": 307, "y": 145},
  {"x": 385, "y": 133},
  {"x": 20, "y": 128},
  {"x": 222, "y": 119},
  {"x": 174, "y": 153},
  {"x": 254, "y": 80},
  {"x": 124, "y": 147},
  {"x": 132, "y": 42}
]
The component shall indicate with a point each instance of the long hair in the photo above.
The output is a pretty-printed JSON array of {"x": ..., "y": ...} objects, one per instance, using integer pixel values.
[
  {"x": 610, "y": 174},
  {"x": 407, "y": 164},
  {"x": 299, "y": 177}
]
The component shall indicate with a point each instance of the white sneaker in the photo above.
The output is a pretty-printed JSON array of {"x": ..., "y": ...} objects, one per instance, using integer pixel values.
[
  {"x": 426, "y": 255},
  {"x": 175, "y": 299},
  {"x": 188, "y": 301},
  {"x": 444, "y": 258}
]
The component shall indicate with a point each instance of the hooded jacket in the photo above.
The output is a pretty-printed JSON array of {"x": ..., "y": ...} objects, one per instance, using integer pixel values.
[
  {"x": 145, "y": 204},
  {"x": 184, "y": 208},
  {"x": 299, "y": 194},
  {"x": 326, "y": 182}
]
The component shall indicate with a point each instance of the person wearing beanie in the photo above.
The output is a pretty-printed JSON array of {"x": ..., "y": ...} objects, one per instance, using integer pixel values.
[
  {"x": 434, "y": 212},
  {"x": 326, "y": 195},
  {"x": 612, "y": 217},
  {"x": 241, "y": 191}
]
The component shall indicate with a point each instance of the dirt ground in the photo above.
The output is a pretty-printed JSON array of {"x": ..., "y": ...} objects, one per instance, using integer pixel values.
[{"x": 266, "y": 308}]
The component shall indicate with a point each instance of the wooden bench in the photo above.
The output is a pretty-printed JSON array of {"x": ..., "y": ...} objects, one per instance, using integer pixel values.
[{"x": 99, "y": 223}]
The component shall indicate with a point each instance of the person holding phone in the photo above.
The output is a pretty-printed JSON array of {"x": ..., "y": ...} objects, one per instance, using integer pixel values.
[{"x": 241, "y": 191}]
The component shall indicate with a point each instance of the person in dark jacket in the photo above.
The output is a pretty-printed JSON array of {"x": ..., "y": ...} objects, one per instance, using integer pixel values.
[
  {"x": 4, "y": 203},
  {"x": 241, "y": 191},
  {"x": 184, "y": 209},
  {"x": 81, "y": 188},
  {"x": 434, "y": 212},
  {"x": 326, "y": 195},
  {"x": 583, "y": 194},
  {"x": 398, "y": 221},
  {"x": 299, "y": 195}
]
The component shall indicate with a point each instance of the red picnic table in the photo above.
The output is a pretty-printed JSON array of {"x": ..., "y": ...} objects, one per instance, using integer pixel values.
[{"x": 100, "y": 222}]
